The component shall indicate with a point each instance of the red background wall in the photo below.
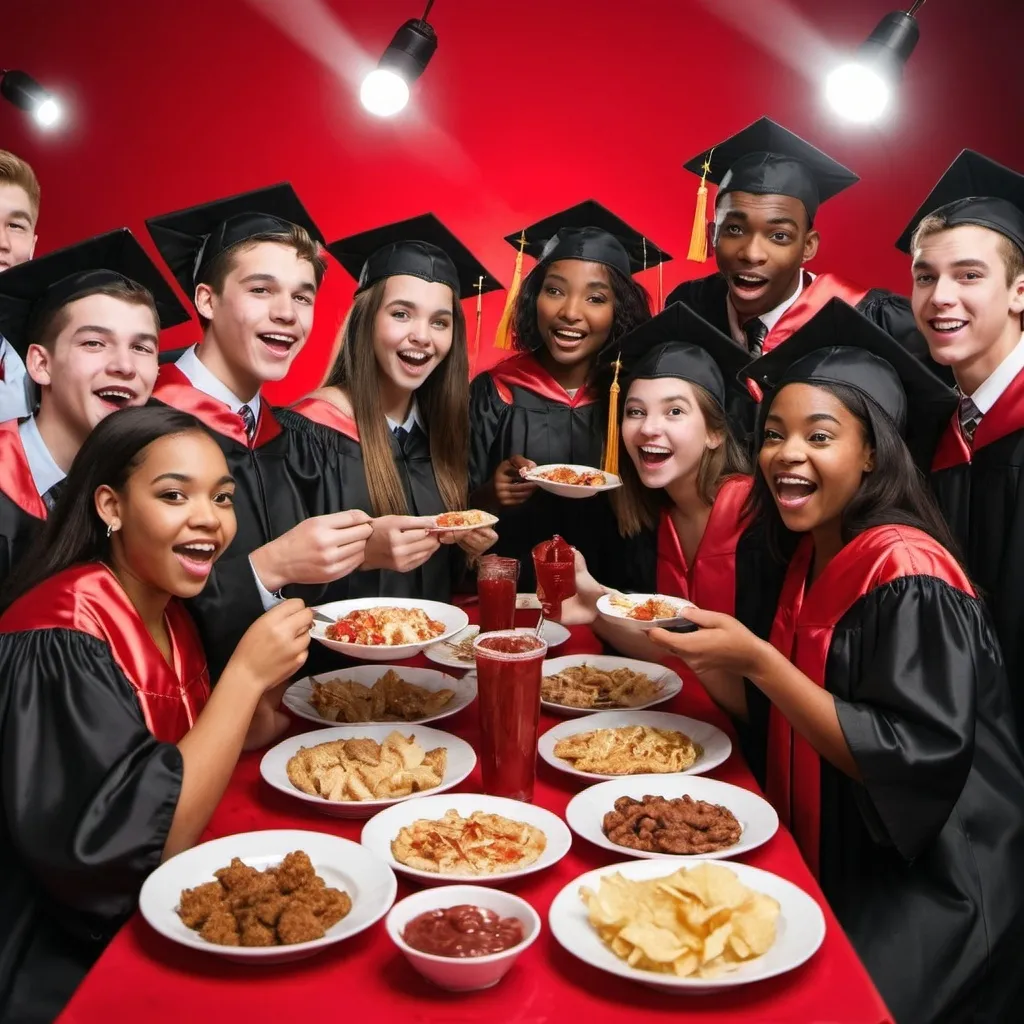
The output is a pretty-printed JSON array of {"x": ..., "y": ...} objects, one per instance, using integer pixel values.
[{"x": 528, "y": 106}]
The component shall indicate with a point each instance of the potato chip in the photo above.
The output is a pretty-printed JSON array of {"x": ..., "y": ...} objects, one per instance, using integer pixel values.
[{"x": 700, "y": 921}]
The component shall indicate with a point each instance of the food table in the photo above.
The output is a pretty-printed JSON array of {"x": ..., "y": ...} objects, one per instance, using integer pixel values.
[{"x": 144, "y": 977}]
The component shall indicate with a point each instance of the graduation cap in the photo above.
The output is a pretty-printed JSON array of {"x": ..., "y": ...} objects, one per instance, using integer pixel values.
[
  {"x": 975, "y": 190},
  {"x": 839, "y": 345},
  {"x": 765, "y": 159},
  {"x": 420, "y": 247},
  {"x": 190, "y": 239},
  {"x": 31, "y": 290}
]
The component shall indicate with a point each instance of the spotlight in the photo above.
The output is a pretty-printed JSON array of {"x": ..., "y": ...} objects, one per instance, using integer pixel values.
[
  {"x": 26, "y": 93},
  {"x": 861, "y": 90},
  {"x": 385, "y": 90}
]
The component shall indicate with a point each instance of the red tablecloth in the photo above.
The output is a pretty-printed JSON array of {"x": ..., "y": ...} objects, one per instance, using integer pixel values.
[{"x": 143, "y": 977}]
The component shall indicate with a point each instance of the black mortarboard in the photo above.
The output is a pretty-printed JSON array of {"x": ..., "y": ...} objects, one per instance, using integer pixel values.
[
  {"x": 420, "y": 247},
  {"x": 189, "y": 239},
  {"x": 975, "y": 190},
  {"x": 767, "y": 159},
  {"x": 680, "y": 343},
  {"x": 839, "y": 345},
  {"x": 31, "y": 290},
  {"x": 589, "y": 232}
]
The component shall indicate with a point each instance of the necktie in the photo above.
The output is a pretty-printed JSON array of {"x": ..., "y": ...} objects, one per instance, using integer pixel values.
[
  {"x": 756, "y": 331},
  {"x": 970, "y": 417},
  {"x": 51, "y": 496},
  {"x": 248, "y": 421},
  {"x": 401, "y": 436}
]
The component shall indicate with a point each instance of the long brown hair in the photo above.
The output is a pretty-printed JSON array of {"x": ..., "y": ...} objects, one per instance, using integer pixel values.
[
  {"x": 639, "y": 508},
  {"x": 443, "y": 400}
]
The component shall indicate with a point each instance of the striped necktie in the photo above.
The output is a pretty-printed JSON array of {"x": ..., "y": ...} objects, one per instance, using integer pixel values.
[
  {"x": 970, "y": 417},
  {"x": 756, "y": 330},
  {"x": 248, "y": 421}
]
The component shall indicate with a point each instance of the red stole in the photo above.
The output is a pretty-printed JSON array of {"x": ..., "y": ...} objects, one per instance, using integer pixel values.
[
  {"x": 15, "y": 476},
  {"x": 524, "y": 371},
  {"x": 802, "y": 631},
  {"x": 173, "y": 388},
  {"x": 1005, "y": 417},
  {"x": 815, "y": 295},
  {"x": 88, "y": 599},
  {"x": 327, "y": 414}
]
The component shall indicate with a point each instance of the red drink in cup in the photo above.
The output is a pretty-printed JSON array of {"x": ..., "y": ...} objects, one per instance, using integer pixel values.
[
  {"x": 496, "y": 587},
  {"x": 508, "y": 670},
  {"x": 554, "y": 563}
]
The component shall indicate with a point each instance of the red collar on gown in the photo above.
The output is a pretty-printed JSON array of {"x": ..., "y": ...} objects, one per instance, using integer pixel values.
[
  {"x": 173, "y": 388},
  {"x": 817, "y": 293},
  {"x": 1004, "y": 418},
  {"x": 524, "y": 371},
  {"x": 16, "y": 480},
  {"x": 327, "y": 414},
  {"x": 88, "y": 599},
  {"x": 802, "y": 631}
]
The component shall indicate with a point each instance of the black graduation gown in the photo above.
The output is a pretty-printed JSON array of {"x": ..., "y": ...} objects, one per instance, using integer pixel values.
[
  {"x": 90, "y": 713},
  {"x": 980, "y": 489},
  {"x": 517, "y": 408},
  {"x": 921, "y": 859},
  {"x": 22, "y": 511}
]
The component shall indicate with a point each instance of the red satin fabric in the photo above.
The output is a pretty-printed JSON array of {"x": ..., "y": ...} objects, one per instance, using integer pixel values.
[
  {"x": 816, "y": 294},
  {"x": 523, "y": 371},
  {"x": 173, "y": 388},
  {"x": 15, "y": 476},
  {"x": 1005, "y": 417},
  {"x": 327, "y": 415},
  {"x": 88, "y": 598},
  {"x": 802, "y": 631}
]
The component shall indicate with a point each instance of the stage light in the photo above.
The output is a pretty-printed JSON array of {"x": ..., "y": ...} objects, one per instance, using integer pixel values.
[
  {"x": 861, "y": 91},
  {"x": 385, "y": 90},
  {"x": 27, "y": 94}
]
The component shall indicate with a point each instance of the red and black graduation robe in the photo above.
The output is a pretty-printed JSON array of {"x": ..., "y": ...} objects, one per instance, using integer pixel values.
[
  {"x": 90, "y": 712},
  {"x": 22, "y": 511},
  {"x": 517, "y": 408},
  {"x": 920, "y": 859},
  {"x": 980, "y": 489}
]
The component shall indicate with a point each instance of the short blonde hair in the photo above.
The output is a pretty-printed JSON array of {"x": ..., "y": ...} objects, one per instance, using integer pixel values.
[
  {"x": 14, "y": 171},
  {"x": 935, "y": 223}
]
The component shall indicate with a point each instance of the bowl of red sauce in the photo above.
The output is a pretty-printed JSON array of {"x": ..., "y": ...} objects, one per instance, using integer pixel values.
[{"x": 463, "y": 937}]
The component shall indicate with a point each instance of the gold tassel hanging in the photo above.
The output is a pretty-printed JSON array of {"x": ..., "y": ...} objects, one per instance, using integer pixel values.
[
  {"x": 475, "y": 351},
  {"x": 611, "y": 444},
  {"x": 503, "y": 339},
  {"x": 699, "y": 236}
]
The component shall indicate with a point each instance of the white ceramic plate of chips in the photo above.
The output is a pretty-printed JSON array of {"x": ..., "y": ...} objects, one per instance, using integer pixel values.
[
  {"x": 554, "y": 634},
  {"x": 669, "y": 682}
]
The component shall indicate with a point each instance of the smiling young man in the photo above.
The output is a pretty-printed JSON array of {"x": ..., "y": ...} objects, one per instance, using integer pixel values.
[
  {"x": 252, "y": 264},
  {"x": 967, "y": 246},
  {"x": 86, "y": 321},
  {"x": 19, "y": 212}
]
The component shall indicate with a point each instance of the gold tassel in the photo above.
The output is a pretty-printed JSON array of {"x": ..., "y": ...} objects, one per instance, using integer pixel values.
[
  {"x": 503, "y": 339},
  {"x": 661, "y": 288},
  {"x": 699, "y": 236},
  {"x": 611, "y": 444},
  {"x": 479, "y": 316}
]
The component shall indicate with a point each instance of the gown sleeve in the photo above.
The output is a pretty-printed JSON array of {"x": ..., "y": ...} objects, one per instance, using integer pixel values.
[
  {"x": 487, "y": 413},
  {"x": 905, "y": 667},
  {"x": 893, "y": 313}
]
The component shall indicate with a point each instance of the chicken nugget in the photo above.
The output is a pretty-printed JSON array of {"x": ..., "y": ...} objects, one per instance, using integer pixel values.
[
  {"x": 256, "y": 933},
  {"x": 221, "y": 928},
  {"x": 335, "y": 905},
  {"x": 268, "y": 909},
  {"x": 197, "y": 904},
  {"x": 238, "y": 876},
  {"x": 295, "y": 872},
  {"x": 298, "y": 923}
]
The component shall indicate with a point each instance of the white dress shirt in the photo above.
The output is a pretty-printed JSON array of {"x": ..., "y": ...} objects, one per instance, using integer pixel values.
[
  {"x": 769, "y": 319},
  {"x": 992, "y": 388},
  {"x": 45, "y": 471},
  {"x": 412, "y": 420},
  {"x": 16, "y": 387}
]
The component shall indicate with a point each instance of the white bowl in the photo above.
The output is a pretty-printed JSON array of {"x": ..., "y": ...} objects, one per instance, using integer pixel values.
[
  {"x": 274, "y": 766},
  {"x": 670, "y": 686},
  {"x": 462, "y": 974},
  {"x": 571, "y": 490},
  {"x": 454, "y": 619},
  {"x": 296, "y": 697},
  {"x": 554, "y": 634},
  {"x": 609, "y": 613}
]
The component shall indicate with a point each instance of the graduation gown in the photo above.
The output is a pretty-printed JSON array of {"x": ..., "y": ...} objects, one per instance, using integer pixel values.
[
  {"x": 22, "y": 511},
  {"x": 921, "y": 859},
  {"x": 517, "y": 408},
  {"x": 980, "y": 489},
  {"x": 90, "y": 712}
]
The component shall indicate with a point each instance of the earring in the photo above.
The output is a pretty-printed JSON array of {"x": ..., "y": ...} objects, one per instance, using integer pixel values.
[{"x": 113, "y": 526}]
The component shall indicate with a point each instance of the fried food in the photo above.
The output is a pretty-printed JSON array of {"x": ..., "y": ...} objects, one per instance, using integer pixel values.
[
  {"x": 644, "y": 611},
  {"x": 629, "y": 750},
  {"x": 385, "y": 626},
  {"x": 584, "y": 686},
  {"x": 700, "y": 921},
  {"x": 246, "y": 907},
  {"x": 473, "y": 517},
  {"x": 482, "y": 844},
  {"x": 362, "y": 769},
  {"x": 390, "y": 699},
  {"x": 565, "y": 475},
  {"x": 681, "y": 825}
]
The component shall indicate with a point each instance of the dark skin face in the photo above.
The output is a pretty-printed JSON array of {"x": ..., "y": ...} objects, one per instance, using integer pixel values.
[{"x": 760, "y": 244}]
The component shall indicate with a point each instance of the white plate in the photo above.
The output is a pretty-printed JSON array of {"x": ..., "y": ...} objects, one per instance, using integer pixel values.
[
  {"x": 608, "y": 611},
  {"x": 340, "y": 863},
  {"x": 717, "y": 745},
  {"x": 800, "y": 929},
  {"x": 757, "y": 817},
  {"x": 571, "y": 490},
  {"x": 296, "y": 697},
  {"x": 554, "y": 633},
  {"x": 453, "y": 618},
  {"x": 671, "y": 685},
  {"x": 488, "y": 520},
  {"x": 380, "y": 830},
  {"x": 274, "y": 766}
]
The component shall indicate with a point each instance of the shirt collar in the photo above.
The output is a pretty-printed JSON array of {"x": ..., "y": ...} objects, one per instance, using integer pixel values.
[
  {"x": 45, "y": 472},
  {"x": 769, "y": 319},
  {"x": 412, "y": 420},
  {"x": 202, "y": 379},
  {"x": 990, "y": 390}
]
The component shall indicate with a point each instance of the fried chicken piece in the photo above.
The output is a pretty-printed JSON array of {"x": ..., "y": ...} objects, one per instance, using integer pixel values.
[
  {"x": 221, "y": 928},
  {"x": 238, "y": 877},
  {"x": 298, "y": 923},
  {"x": 197, "y": 904},
  {"x": 335, "y": 905},
  {"x": 269, "y": 909},
  {"x": 255, "y": 933},
  {"x": 295, "y": 872}
]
